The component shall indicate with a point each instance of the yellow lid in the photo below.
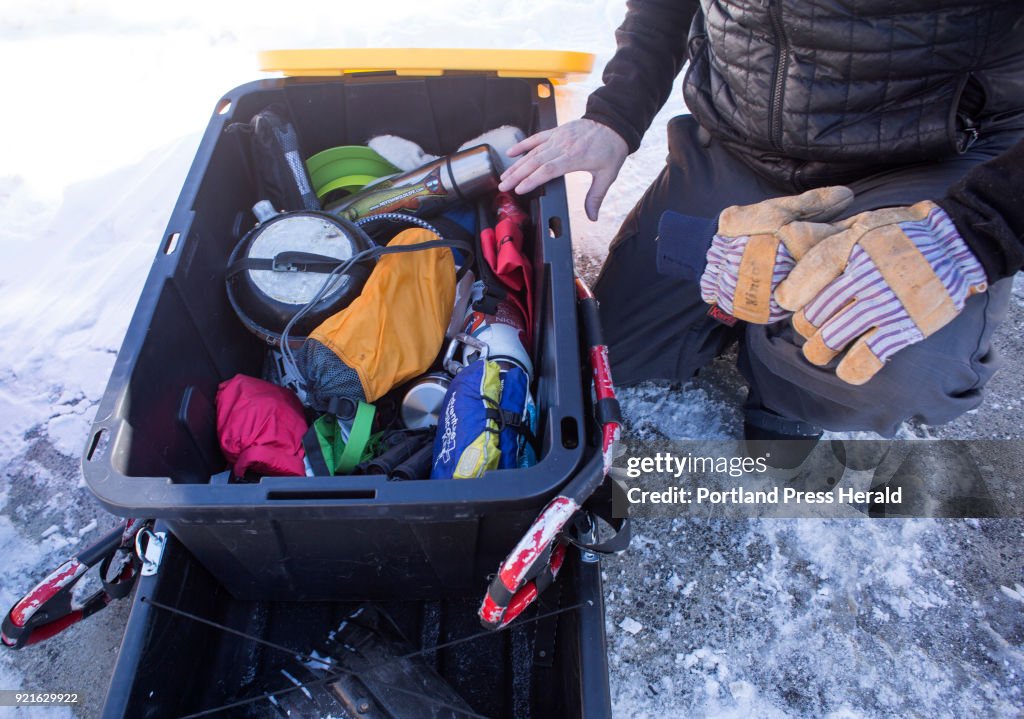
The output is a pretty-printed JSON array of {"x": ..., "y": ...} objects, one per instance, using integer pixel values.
[{"x": 559, "y": 66}]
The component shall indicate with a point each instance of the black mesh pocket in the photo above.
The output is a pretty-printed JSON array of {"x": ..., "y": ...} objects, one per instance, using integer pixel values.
[
  {"x": 278, "y": 163},
  {"x": 327, "y": 377}
]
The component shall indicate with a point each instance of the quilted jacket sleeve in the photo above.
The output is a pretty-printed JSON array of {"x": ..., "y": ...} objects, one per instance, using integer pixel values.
[
  {"x": 987, "y": 206},
  {"x": 639, "y": 77}
]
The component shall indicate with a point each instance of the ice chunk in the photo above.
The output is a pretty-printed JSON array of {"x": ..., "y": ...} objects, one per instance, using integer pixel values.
[{"x": 630, "y": 625}]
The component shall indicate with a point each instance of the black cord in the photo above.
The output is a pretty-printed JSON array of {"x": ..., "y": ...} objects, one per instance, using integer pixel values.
[
  {"x": 374, "y": 253},
  {"x": 333, "y": 665}
]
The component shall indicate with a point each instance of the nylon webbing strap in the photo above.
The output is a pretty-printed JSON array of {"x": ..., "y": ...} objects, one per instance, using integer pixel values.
[
  {"x": 315, "y": 452},
  {"x": 291, "y": 261},
  {"x": 618, "y": 542},
  {"x": 507, "y": 418},
  {"x": 494, "y": 290},
  {"x": 327, "y": 454},
  {"x": 120, "y": 586},
  {"x": 358, "y": 437}
]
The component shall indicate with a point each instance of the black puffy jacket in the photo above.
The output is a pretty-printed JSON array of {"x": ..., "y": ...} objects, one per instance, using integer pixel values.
[{"x": 813, "y": 91}]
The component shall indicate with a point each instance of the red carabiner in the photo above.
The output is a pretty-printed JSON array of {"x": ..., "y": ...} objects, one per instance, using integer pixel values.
[
  {"x": 49, "y": 608},
  {"x": 539, "y": 555},
  {"x": 607, "y": 405},
  {"x": 530, "y": 568}
]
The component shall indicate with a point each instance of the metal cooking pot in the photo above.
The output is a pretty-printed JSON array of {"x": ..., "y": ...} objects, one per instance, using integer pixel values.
[{"x": 282, "y": 263}]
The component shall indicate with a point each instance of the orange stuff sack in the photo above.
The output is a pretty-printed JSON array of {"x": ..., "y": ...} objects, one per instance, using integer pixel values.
[{"x": 389, "y": 334}]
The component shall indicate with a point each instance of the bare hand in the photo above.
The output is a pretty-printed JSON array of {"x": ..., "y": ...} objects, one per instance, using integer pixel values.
[{"x": 580, "y": 145}]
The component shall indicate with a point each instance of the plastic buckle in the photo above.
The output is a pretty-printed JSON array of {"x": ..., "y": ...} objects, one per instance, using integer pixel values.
[
  {"x": 506, "y": 418},
  {"x": 279, "y": 266},
  {"x": 511, "y": 419},
  {"x": 343, "y": 408}
]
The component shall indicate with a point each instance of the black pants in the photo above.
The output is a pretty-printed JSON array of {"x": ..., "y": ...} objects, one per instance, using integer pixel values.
[{"x": 657, "y": 327}]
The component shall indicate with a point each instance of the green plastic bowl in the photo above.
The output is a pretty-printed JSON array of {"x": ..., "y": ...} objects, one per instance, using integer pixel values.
[{"x": 348, "y": 168}]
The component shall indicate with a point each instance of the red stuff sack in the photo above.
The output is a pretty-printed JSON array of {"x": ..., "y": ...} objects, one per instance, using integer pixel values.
[{"x": 260, "y": 427}]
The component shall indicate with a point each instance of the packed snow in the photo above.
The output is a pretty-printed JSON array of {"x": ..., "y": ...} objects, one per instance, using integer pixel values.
[{"x": 106, "y": 101}]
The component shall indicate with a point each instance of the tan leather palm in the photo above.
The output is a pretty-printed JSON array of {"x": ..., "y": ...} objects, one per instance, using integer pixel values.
[
  {"x": 874, "y": 287},
  {"x": 797, "y": 222}
]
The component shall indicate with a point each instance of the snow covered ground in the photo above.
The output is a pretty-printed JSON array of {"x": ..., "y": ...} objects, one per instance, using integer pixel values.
[{"x": 105, "y": 104}]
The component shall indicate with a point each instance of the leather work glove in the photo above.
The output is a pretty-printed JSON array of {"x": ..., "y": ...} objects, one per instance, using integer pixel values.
[
  {"x": 757, "y": 245},
  {"x": 891, "y": 278}
]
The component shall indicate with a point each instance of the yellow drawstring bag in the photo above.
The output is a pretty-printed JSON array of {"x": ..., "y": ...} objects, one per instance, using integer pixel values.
[{"x": 389, "y": 334}]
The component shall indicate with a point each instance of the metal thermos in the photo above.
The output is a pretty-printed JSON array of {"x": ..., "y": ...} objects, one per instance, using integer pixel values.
[
  {"x": 421, "y": 406},
  {"x": 428, "y": 190}
]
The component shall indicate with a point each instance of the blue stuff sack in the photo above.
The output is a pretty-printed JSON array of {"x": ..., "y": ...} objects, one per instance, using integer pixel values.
[
  {"x": 487, "y": 421},
  {"x": 515, "y": 442},
  {"x": 466, "y": 444}
]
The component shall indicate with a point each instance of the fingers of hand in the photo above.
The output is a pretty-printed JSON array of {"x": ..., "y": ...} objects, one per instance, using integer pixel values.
[
  {"x": 858, "y": 308},
  {"x": 803, "y": 326},
  {"x": 869, "y": 353},
  {"x": 543, "y": 173},
  {"x": 602, "y": 180},
  {"x": 513, "y": 175},
  {"x": 529, "y": 143},
  {"x": 799, "y": 237},
  {"x": 830, "y": 320},
  {"x": 528, "y": 163},
  {"x": 820, "y": 204},
  {"x": 884, "y": 324},
  {"x": 521, "y": 175},
  {"x": 823, "y": 341},
  {"x": 861, "y": 363},
  {"x": 577, "y": 145},
  {"x": 847, "y": 308},
  {"x": 822, "y": 264}
]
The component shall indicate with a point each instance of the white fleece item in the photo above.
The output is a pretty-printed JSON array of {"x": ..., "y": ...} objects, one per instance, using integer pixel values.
[
  {"x": 404, "y": 154},
  {"x": 407, "y": 155}
]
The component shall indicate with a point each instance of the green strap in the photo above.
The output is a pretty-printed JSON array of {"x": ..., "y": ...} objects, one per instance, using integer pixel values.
[
  {"x": 330, "y": 444},
  {"x": 358, "y": 437}
]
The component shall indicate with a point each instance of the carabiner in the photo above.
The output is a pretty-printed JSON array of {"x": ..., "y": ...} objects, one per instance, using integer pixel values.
[{"x": 49, "y": 608}]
